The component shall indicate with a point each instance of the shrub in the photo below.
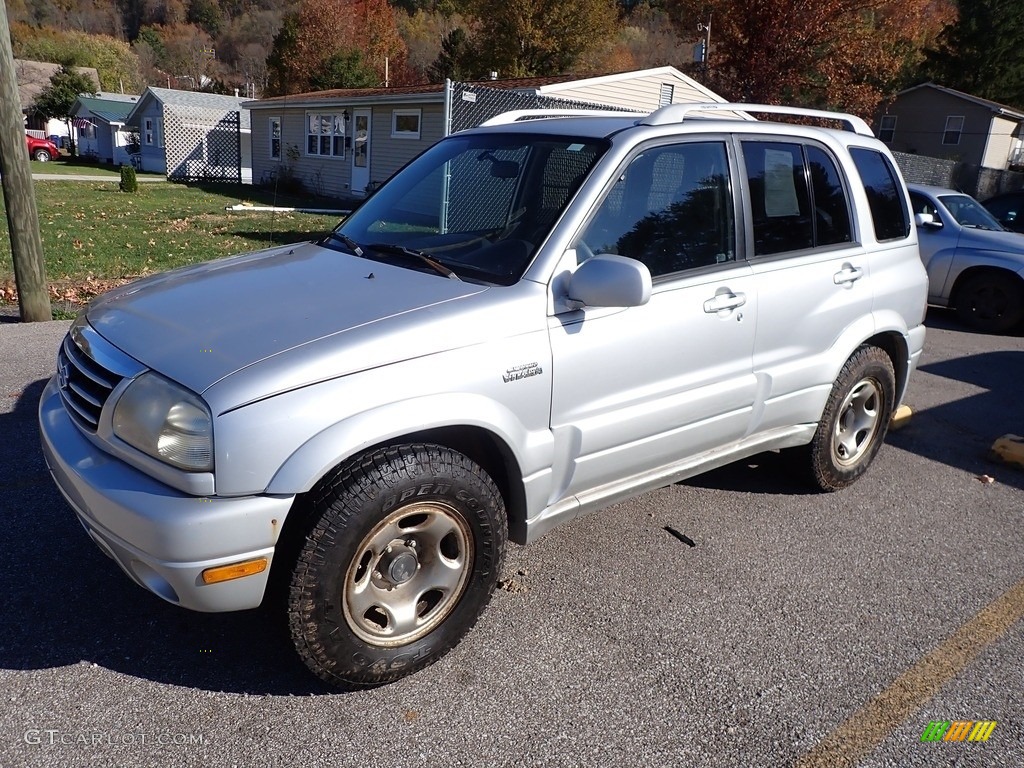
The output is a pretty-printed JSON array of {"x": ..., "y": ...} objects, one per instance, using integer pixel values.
[{"x": 129, "y": 181}]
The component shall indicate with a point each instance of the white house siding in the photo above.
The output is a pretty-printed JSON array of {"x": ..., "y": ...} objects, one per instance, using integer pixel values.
[
  {"x": 1000, "y": 143},
  {"x": 387, "y": 154},
  {"x": 328, "y": 176},
  {"x": 332, "y": 176},
  {"x": 642, "y": 93}
]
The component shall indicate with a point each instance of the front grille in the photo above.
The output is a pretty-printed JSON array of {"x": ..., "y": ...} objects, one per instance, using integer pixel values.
[{"x": 85, "y": 385}]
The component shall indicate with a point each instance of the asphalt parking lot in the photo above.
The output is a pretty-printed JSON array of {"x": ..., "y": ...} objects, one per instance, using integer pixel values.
[{"x": 799, "y": 629}]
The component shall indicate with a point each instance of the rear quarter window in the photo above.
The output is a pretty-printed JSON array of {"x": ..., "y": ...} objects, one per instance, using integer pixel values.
[{"x": 885, "y": 196}]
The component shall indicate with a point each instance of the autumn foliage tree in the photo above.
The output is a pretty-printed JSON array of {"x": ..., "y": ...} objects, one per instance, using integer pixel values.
[
  {"x": 116, "y": 63},
  {"x": 313, "y": 39},
  {"x": 524, "y": 38},
  {"x": 845, "y": 54}
]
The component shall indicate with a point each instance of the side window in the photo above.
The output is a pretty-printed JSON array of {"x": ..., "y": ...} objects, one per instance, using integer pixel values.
[
  {"x": 885, "y": 197},
  {"x": 831, "y": 208},
  {"x": 887, "y": 128},
  {"x": 921, "y": 204},
  {"x": 671, "y": 209},
  {"x": 780, "y": 200}
]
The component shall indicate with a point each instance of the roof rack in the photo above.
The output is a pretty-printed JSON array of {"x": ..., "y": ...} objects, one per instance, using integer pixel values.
[
  {"x": 676, "y": 113},
  {"x": 527, "y": 114}
]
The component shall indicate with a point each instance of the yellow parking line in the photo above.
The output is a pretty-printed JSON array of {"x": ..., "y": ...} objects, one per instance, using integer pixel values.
[{"x": 869, "y": 725}]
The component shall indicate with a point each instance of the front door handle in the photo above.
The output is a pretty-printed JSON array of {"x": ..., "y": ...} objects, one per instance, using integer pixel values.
[
  {"x": 847, "y": 275},
  {"x": 724, "y": 301}
]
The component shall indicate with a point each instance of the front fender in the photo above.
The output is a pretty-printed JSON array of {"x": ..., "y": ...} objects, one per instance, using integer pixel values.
[{"x": 324, "y": 451}]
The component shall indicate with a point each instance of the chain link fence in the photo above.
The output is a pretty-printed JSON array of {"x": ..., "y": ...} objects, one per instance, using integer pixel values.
[
  {"x": 203, "y": 144},
  {"x": 470, "y": 105}
]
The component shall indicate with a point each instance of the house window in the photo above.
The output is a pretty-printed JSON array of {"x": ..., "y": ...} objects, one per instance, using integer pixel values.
[
  {"x": 887, "y": 128},
  {"x": 405, "y": 124},
  {"x": 275, "y": 138},
  {"x": 667, "y": 92},
  {"x": 325, "y": 134},
  {"x": 954, "y": 127},
  {"x": 148, "y": 132}
]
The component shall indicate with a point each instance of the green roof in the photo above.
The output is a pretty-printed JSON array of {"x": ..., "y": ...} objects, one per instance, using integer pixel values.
[{"x": 108, "y": 110}]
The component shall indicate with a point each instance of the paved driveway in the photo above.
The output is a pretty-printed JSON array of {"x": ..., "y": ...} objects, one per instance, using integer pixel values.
[{"x": 797, "y": 629}]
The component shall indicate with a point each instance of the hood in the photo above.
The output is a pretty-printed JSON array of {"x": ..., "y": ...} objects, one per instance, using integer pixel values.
[
  {"x": 200, "y": 324},
  {"x": 1011, "y": 243}
]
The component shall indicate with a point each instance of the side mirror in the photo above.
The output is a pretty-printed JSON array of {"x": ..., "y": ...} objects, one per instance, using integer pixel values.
[
  {"x": 927, "y": 220},
  {"x": 608, "y": 280}
]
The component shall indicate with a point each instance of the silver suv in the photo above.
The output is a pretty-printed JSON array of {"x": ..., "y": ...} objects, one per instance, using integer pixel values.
[{"x": 533, "y": 319}]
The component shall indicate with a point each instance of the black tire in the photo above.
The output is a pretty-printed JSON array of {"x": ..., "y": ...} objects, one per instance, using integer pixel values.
[
  {"x": 42, "y": 156},
  {"x": 403, "y": 552},
  {"x": 991, "y": 302},
  {"x": 855, "y": 420}
]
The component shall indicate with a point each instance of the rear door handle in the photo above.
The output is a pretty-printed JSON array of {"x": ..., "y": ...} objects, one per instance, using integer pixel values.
[
  {"x": 724, "y": 301},
  {"x": 847, "y": 275}
]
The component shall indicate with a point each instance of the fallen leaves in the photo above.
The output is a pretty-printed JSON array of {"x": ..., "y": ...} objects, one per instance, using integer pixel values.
[{"x": 73, "y": 292}]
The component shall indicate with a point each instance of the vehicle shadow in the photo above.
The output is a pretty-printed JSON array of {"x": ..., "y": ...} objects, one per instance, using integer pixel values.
[
  {"x": 772, "y": 472},
  {"x": 66, "y": 603},
  {"x": 959, "y": 431},
  {"x": 946, "y": 319}
]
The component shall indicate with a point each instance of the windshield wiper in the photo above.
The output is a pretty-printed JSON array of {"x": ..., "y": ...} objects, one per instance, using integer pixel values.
[
  {"x": 351, "y": 244},
  {"x": 401, "y": 250}
]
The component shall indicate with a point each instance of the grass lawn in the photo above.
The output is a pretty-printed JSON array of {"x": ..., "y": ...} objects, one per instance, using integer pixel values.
[
  {"x": 95, "y": 236},
  {"x": 77, "y": 167}
]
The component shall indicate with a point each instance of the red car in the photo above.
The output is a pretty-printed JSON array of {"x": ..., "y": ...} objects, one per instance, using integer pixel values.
[{"x": 42, "y": 150}]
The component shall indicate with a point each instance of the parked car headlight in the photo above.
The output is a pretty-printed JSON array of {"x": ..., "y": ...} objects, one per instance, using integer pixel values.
[{"x": 167, "y": 422}]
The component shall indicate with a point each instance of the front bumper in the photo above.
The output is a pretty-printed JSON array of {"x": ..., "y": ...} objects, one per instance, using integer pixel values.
[{"x": 161, "y": 538}]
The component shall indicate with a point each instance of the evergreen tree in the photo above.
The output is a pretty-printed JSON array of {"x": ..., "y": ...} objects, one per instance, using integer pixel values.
[
  {"x": 344, "y": 69},
  {"x": 456, "y": 59},
  {"x": 982, "y": 53}
]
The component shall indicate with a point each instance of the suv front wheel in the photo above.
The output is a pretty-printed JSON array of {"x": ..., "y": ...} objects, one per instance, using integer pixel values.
[
  {"x": 855, "y": 420},
  {"x": 403, "y": 552}
]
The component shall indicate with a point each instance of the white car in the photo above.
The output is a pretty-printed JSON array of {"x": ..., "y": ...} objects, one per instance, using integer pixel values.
[
  {"x": 974, "y": 264},
  {"x": 532, "y": 320}
]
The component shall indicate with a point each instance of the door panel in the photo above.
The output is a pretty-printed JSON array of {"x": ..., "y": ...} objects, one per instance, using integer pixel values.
[
  {"x": 642, "y": 387},
  {"x": 813, "y": 278}
]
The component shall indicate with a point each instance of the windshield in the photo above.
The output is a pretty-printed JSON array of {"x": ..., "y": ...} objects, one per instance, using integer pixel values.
[
  {"x": 970, "y": 213},
  {"x": 479, "y": 204}
]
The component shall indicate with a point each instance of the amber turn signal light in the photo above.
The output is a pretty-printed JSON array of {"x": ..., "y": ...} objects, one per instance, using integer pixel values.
[{"x": 234, "y": 571}]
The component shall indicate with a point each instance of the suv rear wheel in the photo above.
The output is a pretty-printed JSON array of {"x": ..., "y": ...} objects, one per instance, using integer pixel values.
[
  {"x": 403, "y": 552},
  {"x": 855, "y": 420}
]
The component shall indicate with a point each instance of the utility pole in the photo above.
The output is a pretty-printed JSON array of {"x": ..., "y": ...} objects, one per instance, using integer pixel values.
[
  {"x": 19, "y": 194},
  {"x": 705, "y": 44}
]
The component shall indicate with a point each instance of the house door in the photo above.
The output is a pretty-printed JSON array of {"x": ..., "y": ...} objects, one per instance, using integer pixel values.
[{"x": 360, "y": 150}]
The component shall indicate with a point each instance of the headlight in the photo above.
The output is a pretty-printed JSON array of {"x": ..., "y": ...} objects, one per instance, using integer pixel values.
[{"x": 165, "y": 421}]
